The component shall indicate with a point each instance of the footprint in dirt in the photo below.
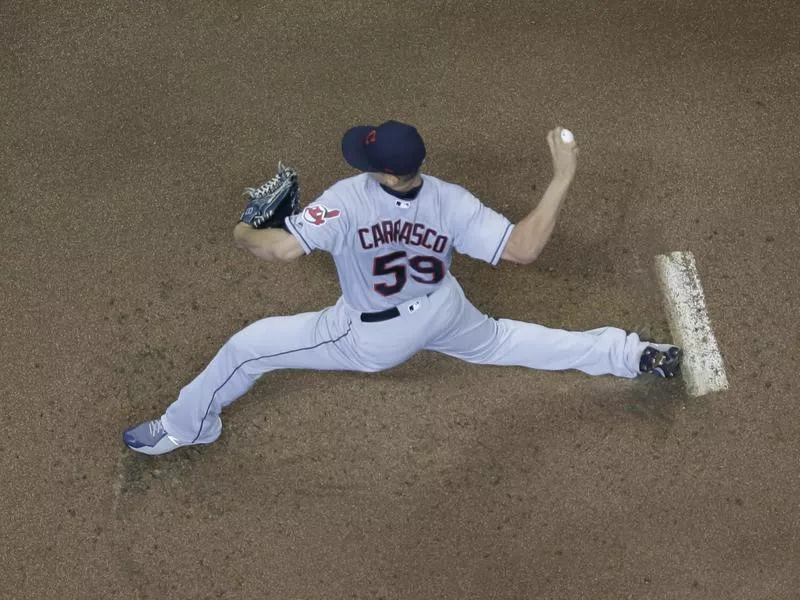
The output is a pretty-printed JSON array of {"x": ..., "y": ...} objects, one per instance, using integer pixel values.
[{"x": 137, "y": 474}]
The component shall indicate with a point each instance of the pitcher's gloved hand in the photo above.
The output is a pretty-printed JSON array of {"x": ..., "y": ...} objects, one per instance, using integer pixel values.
[{"x": 274, "y": 200}]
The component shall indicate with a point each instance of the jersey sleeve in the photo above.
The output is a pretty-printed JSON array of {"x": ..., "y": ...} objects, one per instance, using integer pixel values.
[
  {"x": 322, "y": 225},
  {"x": 479, "y": 231}
]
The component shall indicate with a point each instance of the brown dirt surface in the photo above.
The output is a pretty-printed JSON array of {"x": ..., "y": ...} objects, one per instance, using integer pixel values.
[{"x": 129, "y": 130}]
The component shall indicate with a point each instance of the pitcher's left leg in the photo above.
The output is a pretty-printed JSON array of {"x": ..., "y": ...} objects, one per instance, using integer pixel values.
[{"x": 316, "y": 341}]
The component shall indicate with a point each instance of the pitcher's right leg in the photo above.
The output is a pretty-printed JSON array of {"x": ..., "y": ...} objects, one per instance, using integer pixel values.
[
  {"x": 477, "y": 338},
  {"x": 309, "y": 340}
]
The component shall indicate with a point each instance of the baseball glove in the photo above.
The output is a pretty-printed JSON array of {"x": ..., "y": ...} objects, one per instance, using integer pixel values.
[{"x": 273, "y": 201}]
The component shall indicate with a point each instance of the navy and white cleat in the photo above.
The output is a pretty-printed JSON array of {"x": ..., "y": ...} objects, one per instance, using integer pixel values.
[
  {"x": 662, "y": 360},
  {"x": 150, "y": 438}
]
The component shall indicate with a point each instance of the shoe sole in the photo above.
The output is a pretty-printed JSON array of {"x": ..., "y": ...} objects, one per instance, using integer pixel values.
[{"x": 164, "y": 445}]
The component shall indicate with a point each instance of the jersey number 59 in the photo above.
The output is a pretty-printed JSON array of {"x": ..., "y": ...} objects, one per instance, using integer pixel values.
[{"x": 425, "y": 269}]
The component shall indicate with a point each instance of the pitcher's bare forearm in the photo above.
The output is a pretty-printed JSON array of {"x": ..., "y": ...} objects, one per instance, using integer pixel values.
[
  {"x": 268, "y": 244},
  {"x": 532, "y": 233}
]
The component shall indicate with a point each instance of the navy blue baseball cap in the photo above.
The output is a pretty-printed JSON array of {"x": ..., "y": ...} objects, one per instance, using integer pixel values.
[{"x": 392, "y": 147}]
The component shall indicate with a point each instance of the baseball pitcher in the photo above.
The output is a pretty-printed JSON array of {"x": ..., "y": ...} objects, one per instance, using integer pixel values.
[{"x": 392, "y": 231}]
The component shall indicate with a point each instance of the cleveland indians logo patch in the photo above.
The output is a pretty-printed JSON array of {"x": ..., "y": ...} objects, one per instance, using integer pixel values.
[{"x": 319, "y": 214}]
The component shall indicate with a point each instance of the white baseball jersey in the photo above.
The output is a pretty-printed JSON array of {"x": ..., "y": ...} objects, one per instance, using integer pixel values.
[{"x": 389, "y": 250}]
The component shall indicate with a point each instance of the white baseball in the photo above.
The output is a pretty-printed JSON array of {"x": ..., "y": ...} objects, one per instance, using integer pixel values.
[{"x": 566, "y": 136}]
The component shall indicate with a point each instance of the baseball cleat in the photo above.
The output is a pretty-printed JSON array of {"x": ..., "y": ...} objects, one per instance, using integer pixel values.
[
  {"x": 662, "y": 360},
  {"x": 150, "y": 438}
]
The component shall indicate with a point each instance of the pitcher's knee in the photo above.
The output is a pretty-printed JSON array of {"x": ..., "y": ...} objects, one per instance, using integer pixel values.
[
  {"x": 240, "y": 353},
  {"x": 237, "y": 346}
]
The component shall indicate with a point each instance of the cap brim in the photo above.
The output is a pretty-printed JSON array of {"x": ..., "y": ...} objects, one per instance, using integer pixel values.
[{"x": 353, "y": 147}]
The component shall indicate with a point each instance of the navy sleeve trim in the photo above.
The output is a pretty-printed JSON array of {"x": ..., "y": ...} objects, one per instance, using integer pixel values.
[
  {"x": 293, "y": 230},
  {"x": 501, "y": 246}
]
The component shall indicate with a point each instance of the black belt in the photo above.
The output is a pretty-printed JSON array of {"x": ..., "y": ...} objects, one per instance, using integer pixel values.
[{"x": 384, "y": 315}]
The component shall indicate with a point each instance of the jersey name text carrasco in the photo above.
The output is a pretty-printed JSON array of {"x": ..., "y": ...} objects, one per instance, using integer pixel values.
[{"x": 402, "y": 231}]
